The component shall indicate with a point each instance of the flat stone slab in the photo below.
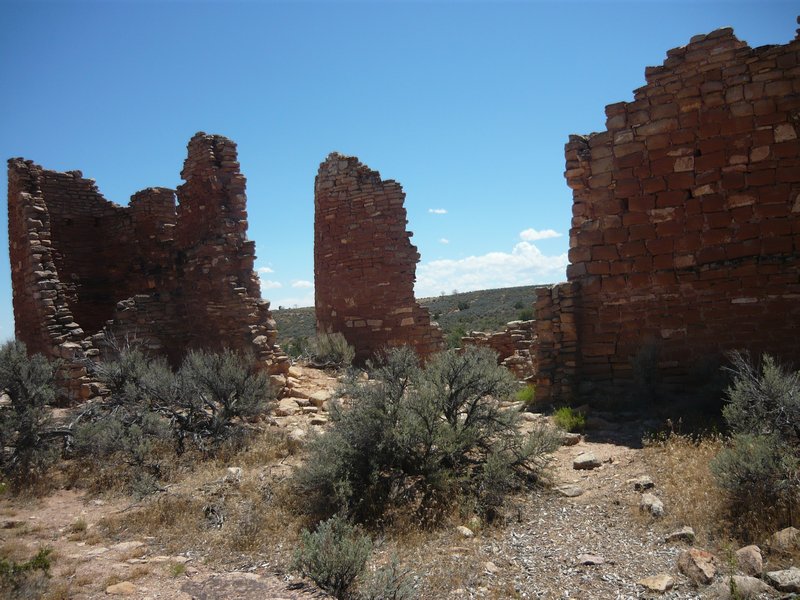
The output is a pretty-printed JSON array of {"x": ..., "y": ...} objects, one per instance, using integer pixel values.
[
  {"x": 657, "y": 583},
  {"x": 570, "y": 491},
  {"x": 585, "y": 462}
]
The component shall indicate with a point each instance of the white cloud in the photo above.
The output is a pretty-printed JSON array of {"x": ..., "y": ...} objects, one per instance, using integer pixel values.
[
  {"x": 532, "y": 235},
  {"x": 302, "y": 283},
  {"x": 265, "y": 270},
  {"x": 267, "y": 284},
  {"x": 444, "y": 241},
  {"x": 525, "y": 265},
  {"x": 437, "y": 211}
]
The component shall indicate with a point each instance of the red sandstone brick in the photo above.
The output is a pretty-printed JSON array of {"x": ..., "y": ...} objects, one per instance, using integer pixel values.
[
  {"x": 632, "y": 249},
  {"x": 615, "y": 235},
  {"x": 669, "y": 228},
  {"x": 680, "y": 181},
  {"x": 671, "y": 198},
  {"x": 641, "y": 203},
  {"x": 771, "y": 246}
]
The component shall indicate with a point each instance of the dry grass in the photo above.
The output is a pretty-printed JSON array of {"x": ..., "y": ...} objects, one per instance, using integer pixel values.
[
  {"x": 679, "y": 465},
  {"x": 242, "y": 521}
]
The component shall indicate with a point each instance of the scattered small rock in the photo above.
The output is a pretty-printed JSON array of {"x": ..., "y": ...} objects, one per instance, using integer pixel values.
[
  {"x": 319, "y": 419},
  {"x": 570, "y": 439},
  {"x": 123, "y": 588},
  {"x": 570, "y": 491},
  {"x": 652, "y": 504},
  {"x": 585, "y": 461},
  {"x": 698, "y": 565},
  {"x": 684, "y": 534},
  {"x": 491, "y": 568},
  {"x": 465, "y": 532},
  {"x": 740, "y": 587},
  {"x": 233, "y": 475},
  {"x": 530, "y": 417},
  {"x": 657, "y": 583},
  {"x": 590, "y": 559},
  {"x": 642, "y": 483},
  {"x": 319, "y": 398},
  {"x": 749, "y": 561},
  {"x": 786, "y": 580}
]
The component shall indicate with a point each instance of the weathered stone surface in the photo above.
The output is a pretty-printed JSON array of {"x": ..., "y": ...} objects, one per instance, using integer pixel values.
[
  {"x": 657, "y": 583},
  {"x": 320, "y": 398},
  {"x": 786, "y": 580},
  {"x": 364, "y": 263},
  {"x": 286, "y": 408},
  {"x": 740, "y": 587},
  {"x": 684, "y": 534},
  {"x": 172, "y": 276},
  {"x": 590, "y": 559},
  {"x": 749, "y": 561},
  {"x": 585, "y": 461},
  {"x": 642, "y": 483},
  {"x": 684, "y": 228},
  {"x": 570, "y": 439},
  {"x": 785, "y": 540},
  {"x": 698, "y": 565},
  {"x": 570, "y": 491},
  {"x": 123, "y": 588},
  {"x": 652, "y": 504},
  {"x": 512, "y": 345},
  {"x": 465, "y": 532}
]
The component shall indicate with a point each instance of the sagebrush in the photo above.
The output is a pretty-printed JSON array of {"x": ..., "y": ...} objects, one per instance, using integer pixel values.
[
  {"x": 419, "y": 437},
  {"x": 25, "y": 424},
  {"x": 759, "y": 469}
]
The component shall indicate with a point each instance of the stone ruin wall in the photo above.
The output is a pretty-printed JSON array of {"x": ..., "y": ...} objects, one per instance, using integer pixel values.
[
  {"x": 512, "y": 345},
  {"x": 173, "y": 276},
  {"x": 364, "y": 262},
  {"x": 686, "y": 224}
]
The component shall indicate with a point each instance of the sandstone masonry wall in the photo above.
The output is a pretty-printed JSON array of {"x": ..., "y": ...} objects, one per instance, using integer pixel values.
[
  {"x": 513, "y": 346},
  {"x": 364, "y": 263},
  {"x": 685, "y": 234},
  {"x": 173, "y": 276}
]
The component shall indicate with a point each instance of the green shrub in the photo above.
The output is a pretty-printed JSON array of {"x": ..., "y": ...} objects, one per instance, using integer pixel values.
[
  {"x": 386, "y": 583},
  {"x": 453, "y": 338},
  {"x": 420, "y": 437},
  {"x": 217, "y": 388},
  {"x": 203, "y": 403},
  {"x": 24, "y": 423},
  {"x": 569, "y": 419},
  {"x": 332, "y": 350},
  {"x": 463, "y": 305},
  {"x": 759, "y": 468},
  {"x": 526, "y": 314},
  {"x": 27, "y": 579},
  {"x": 527, "y": 394},
  {"x": 333, "y": 556}
]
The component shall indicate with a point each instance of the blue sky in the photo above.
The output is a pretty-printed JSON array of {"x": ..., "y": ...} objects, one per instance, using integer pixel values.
[{"x": 467, "y": 104}]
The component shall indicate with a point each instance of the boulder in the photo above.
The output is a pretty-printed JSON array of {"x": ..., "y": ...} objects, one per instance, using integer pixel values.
[
  {"x": 570, "y": 491},
  {"x": 642, "y": 483},
  {"x": 786, "y": 580},
  {"x": 698, "y": 565},
  {"x": 785, "y": 540},
  {"x": 319, "y": 398},
  {"x": 286, "y": 408},
  {"x": 740, "y": 587},
  {"x": 569, "y": 439},
  {"x": 749, "y": 561},
  {"x": 590, "y": 559}
]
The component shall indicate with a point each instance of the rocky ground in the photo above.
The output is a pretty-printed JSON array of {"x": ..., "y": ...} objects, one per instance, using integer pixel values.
[{"x": 596, "y": 532}]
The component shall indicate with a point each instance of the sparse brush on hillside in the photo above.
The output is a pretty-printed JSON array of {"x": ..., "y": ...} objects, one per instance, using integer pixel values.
[
  {"x": 416, "y": 438},
  {"x": 760, "y": 468},
  {"x": 29, "y": 383}
]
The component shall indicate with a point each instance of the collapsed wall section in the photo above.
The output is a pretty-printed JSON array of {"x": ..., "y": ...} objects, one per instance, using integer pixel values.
[
  {"x": 172, "y": 277},
  {"x": 364, "y": 262},
  {"x": 685, "y": 238}
]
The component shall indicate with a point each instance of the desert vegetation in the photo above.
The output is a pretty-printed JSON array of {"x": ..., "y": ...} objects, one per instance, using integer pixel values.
[{"x": 411, "y": 451}]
